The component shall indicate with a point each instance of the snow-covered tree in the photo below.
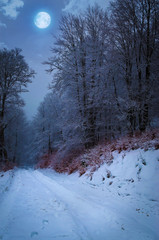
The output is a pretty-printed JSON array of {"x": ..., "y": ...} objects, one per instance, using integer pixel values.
[
  {"x": 15, "y": 75},
  {"x": 79, "y": 57},
  {"x": 134, "y": 34}
]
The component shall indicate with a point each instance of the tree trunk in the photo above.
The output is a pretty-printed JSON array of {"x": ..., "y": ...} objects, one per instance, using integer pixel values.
[
  {"x": 3, "y": 152},
  {"x": 147, "y": 84}
]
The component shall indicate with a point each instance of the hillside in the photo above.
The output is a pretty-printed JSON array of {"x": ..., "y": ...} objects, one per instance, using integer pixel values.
[{"x": 91, "y": 159}]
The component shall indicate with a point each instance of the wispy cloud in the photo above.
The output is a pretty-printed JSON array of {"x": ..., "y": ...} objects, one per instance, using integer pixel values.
[
  {"x": 10, "y": 8},
  {"x": 3, "y": 45},
  {"x": 2, "y": 25},
  {"x": 75, "y": 6}
]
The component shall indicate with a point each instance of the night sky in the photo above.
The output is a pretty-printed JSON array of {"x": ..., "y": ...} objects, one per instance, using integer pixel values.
[{"x": 17, "y": 29}]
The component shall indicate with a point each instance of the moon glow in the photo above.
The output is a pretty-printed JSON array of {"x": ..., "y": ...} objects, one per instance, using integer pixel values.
[{"x": 42, "y": 20}]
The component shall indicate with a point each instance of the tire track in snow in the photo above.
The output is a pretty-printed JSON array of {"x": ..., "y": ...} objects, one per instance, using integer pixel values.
[
  {"x": 80, "y": 230},
  {"x": 110, "y": 224},
  {"x": 59, "y": 208},
  {"x": 94, "y": 218},
  {"x": 24, "y": 198}
]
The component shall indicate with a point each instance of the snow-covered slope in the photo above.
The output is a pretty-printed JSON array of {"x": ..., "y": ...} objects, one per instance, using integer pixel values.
[
  {"x": 131, "y": 173},
  {"x": 118, "y": 201}
]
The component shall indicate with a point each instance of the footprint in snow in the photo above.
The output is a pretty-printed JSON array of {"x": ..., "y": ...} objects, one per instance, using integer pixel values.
[
  {"x": 122, "y": 227},
  {"x": 34, "y": 234},
  {"x": 44, "y": 223},
  {"x": 58, "y": 205}
]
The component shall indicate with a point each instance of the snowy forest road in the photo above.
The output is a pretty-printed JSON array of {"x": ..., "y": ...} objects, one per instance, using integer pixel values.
[{"x": 42, "y": 206}]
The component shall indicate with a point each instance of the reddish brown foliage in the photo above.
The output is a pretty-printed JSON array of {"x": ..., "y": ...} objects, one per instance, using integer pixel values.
[
  {"x": 6, "y": 166},
  {"x": 46, "y": 161},
  {"x": 80, "y": 160}
]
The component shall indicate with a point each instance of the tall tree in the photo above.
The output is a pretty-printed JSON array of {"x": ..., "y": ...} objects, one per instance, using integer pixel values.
[
  {"x": 79, "y": 56},
  {"x": 134, "y": 34},
  {"x": 15, "y": 75}
]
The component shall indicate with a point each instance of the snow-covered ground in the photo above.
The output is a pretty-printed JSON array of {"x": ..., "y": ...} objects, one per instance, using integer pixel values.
[
  {"x": 5, "y": 182},
  {"x": 120, "y": 201}
]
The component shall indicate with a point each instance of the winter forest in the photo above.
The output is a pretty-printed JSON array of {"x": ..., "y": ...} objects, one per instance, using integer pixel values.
[
  {"x": 105, "y": 82},
  {"x": 86, "y": 165}
]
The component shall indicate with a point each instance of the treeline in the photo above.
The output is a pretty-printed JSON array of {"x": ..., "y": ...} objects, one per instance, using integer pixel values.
[
  {"x": 15, "y": 75},
  {"x": 105, "y": 67}
]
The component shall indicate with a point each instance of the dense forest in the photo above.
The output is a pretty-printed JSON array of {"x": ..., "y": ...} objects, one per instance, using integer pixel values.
[{"x": 105, "y": 82}]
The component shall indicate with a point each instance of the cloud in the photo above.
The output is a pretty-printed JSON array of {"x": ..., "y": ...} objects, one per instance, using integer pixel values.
[
  {"x": 2, "y": 25},
  {"x": 75, "y": 6},
  {"x": 10, "y": 7},
  {"x": 3, "y": 45}
]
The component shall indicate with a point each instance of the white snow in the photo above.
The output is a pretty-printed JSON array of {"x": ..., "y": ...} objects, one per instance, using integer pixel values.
[
  {"x": 121, "y": 201},
  {"x": 5, "y": 181}
]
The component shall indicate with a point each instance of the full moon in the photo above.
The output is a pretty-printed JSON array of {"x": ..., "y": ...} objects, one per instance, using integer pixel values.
[{"x": 42, "y": 20}]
